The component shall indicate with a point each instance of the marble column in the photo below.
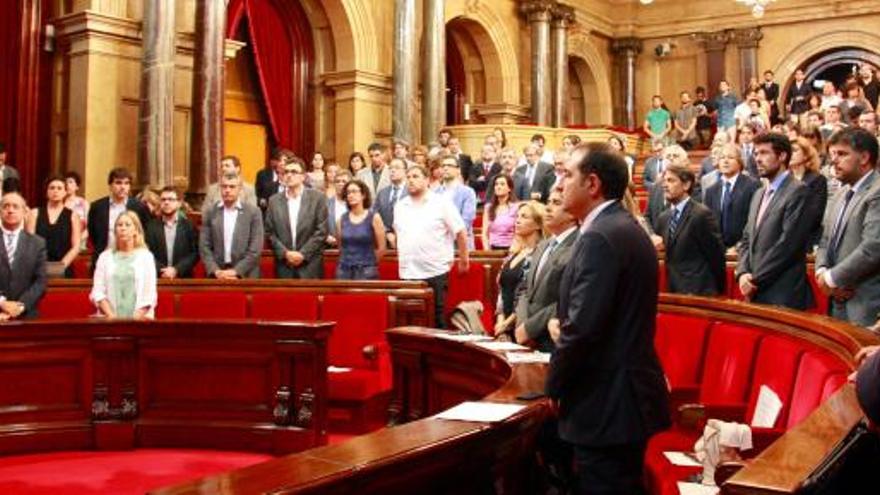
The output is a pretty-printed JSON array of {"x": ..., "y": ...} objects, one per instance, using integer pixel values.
[
  {"x": 405, "y": 63},
  {"x": 562, "y": 17},
  {"x": 433, "y": 69},
  {"x": 714, "y": 44},
  {"x": 206, "y": 142},
  {"x": 627, "y": 51},
  {"x": 156, "y": 120},
  {"x": 537, "y": 13},
  {"x": 747, "y": 40}
]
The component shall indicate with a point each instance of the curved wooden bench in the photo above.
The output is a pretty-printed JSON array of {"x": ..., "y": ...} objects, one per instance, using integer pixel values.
[
  {"x": 433, "y": 373},
  {"x": 118, "y": 385}
]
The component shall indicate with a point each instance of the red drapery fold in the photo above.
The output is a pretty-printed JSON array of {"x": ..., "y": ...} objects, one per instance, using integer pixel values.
[{"x": 281, "y": 44}]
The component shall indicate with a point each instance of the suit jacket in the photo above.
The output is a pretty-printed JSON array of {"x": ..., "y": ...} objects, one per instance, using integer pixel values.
[
  {"x": 247, "y": 241},
  {"x": 465, "y": 163},
  {"x": 385, "y": 208},
  {"x": 265, "y": 186},
  {"x": 695, "y": 261},
  {"x": 99, "y": 221},
  {"x": 855, "y": 263},
  {"x": 656, "y": 205},
  {"x": 311, "y": 231},
  {"x": 605, "y": 372},
  {"x": 772, "y": 92},
  {"x": 817, "y": 201},
  {"x": 478, "y": 179},
  {"x": 798, "y": 98},
  {"x": 9, "y": 172},
  {"x": 541, "y": 183},
  {"x": 366, "y": 175},
  {"x": 185, "y": 251},
  {"x": 537, "y": 304},
  {"x": 25, "y": 280},
  {"x": 652, "y": 171},
  {"x": 734, "y": 221},
  {"x": 775, "y": 252},
  {"x": 750, "y": 165},
  {"x": 331, "y": 217}
]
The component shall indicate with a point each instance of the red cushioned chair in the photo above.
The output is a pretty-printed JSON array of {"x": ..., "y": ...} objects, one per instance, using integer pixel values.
[
  {"x": 680, "y": 342},
  {"x": 470, "y": 286},
  {"x": 273, "y": 305},
  {"x": 165, "y": 304},
  {"x": 213, "y": 304},
  {"x": 329, "y": 268},
  {"x": 359, "y": 396},
  {"x": 388, "y": 270},
  {"x": 821, "y": 299},
  {"x": 816, "y": 368},
  {"x": 199, "y": 270},
  {"x": 63, "y": 305},
  {"x": 267, "y": 267}
]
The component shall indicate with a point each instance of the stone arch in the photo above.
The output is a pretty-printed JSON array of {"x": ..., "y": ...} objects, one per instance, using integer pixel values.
[
  {"x": 787, "y": 63},
  {"x": 593, "y": 75},
  {"x": 345, "y": 17},
  {"x": 496, "y": 46}
]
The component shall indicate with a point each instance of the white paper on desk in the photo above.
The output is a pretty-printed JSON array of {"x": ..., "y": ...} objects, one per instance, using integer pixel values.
[
  {"x": 337, "y": 369},
  {"x": 767, "y": 408},
  {"x": 527, "y": 357},
  {"x": 681, "y": 459},
  {"x": 488, "y": 412},
  {"x": 502, "y": 346},
  {"x": 696, "y": 489},
  {"x": 464, "y": 337}
]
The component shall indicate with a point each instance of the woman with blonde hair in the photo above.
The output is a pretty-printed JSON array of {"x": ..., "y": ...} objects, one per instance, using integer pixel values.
[
  {"x": 528, "y": 231},
  {"x": 804, "y": 166},
  {"x": 124, "y": 285}
]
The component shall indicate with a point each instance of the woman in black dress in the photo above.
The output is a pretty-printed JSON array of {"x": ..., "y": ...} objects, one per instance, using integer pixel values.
[
  {"x": 804, "y": 166},
  {"x": 59, "y": 226},
  {"x": 528, "y": 231}
]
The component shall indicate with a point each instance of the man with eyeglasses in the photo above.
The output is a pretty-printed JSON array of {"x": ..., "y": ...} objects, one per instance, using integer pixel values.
[
  {"x": 296, "y": 223},
  {"x": 172, "y": 238},
  {"x": 390, "y": 195}
]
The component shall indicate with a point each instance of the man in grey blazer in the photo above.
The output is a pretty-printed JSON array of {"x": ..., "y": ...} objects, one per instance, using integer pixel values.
[
  {"x": 296, "y": 223},
  {"x": 389, "y": 196},
  {"x": 232, "y": 234},
  {"x": 22, "y": 262},
  {"x": 537, "y": 304},
  {"x": 848, "y": 258},
  {"x": 533, "y": 179},
  {"x": 375, "y": 176},
  {"x": 772, "y": 265}
]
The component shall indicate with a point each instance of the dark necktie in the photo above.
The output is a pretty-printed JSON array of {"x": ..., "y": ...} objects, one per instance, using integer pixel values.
[
  {"x": 837, "y": 231},
  {"x": 725, "y": 205},
  {"x": 10, "y": 248},
  {"x": 393, "y": 195},
  {"x": 673, "y": 222}
]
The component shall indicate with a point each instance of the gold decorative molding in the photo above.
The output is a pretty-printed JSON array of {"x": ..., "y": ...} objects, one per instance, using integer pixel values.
[
  {"x": 747, "y": 37},
  {"x": 562, "y": 15},
  {"x": 620, "y": 46},
  {"x": 715, "y": 41}
]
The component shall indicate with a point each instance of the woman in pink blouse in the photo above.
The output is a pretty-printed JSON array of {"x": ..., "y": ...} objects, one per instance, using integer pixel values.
[{"x": 499, "y": 216}]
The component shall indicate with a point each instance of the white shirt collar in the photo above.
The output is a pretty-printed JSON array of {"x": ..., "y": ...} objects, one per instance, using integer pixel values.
[
  {"x": 236, "y": 206},
  {"x": 732, "y": 180},
  {"x": 588, "y": 220},
  {"x": 564, "y": 234},
  {"x": 13, "y": 232}
]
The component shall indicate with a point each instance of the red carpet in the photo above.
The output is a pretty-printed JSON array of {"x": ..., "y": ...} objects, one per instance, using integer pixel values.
[{"x": 118, "y": 473}]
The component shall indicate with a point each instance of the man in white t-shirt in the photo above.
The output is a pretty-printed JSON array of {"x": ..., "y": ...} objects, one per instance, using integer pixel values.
[{"x": 425, "y": 224}]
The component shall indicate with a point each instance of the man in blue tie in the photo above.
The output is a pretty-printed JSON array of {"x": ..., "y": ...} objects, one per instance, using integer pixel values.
[
  {"x": 729, "y": 198},
  {"x": 390, "y": 195},
  {"x": 533, "y": 179},
  {"x": 22, "y": 262}
]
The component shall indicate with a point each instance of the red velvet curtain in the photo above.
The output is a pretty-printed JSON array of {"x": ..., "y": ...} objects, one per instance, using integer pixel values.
[
  {"x": 10, "y": 26},
  {"x": 281, "y": 43}
]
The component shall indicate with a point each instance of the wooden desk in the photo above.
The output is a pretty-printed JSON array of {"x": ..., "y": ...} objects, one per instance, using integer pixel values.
[{"x": 99, "y": 384}]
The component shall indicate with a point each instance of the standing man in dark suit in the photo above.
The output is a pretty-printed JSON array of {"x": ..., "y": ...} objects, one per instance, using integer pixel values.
[
  {"x": 747, "y": 148},
  {"x": 848, "y": 258},
  {"x": 172, "y": 238},
  {"x": 730, "y": 197},
  {"x": 389, "y": 196},
  {"x": 798, "y": 99},
  {"x": 654, "y": 165},
  {"x": 536, "y": 306},
  {"x": 772, "y": 265},
  {"x": 22, "y": 262},
  {"x": 533, "y": 179},
  {"x": 694, "y": 252},
  {"x": 103, "y": 212},
  {"x": 605, "y": 375},
  {"x": 464, "y": 161},
  {"x": 296, "y": 223},
  {"x": 232, "y": 234},
  {"x": 771, "y": 91},
  {"x": 268, "y": 181},
  {"x": 484, "y": 170}
]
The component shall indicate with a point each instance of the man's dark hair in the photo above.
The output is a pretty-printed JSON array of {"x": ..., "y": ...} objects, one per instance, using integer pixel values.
[
  {"x": 537, "y": 137},
  {"x": 700, "y": 90},
  {"x": 234, "y": 159},
  {"x": 280, "y": 153},
  {"x": 768, "y": 71},
  {"x": 778, "y": 142},
  {"x": 2, "y": 147},
  {"x": 860, "y": 140},
  {"x": 365, "y": 191},
  {"x": 11, "y": 184},
  {"x": 422, "y": 170},
  {"x": 118, "y": 173},
  {"x": 446, "y": 130},
  {"x": 376, "y": 146},
  {"x": 684, "y": 174},
  {"x": 73, "y": 175},
  {"x": 52, "y": 178},
  {"x": 169, "y": 189},
  {"x": 452, "y": 157},
  {"x": 599, "y": 159}
]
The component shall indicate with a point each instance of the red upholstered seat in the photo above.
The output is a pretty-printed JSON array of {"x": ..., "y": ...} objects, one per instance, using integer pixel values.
[
  {"x": 354, "y": 385},
  {"x": 388, "y": 270},
  {"x": 199, "y": 270},
  {"x": 80, "y": 267},
  {"x": 213, "y": 304},
  {"x": 728, "y": 367},
  {"x": 361, "y": 320},
  {"x": 272, "y": 305},
  {"x": 267, "y": 267},
  {"x": 63, "y": 305},
  {"x": 775, "y": 367},
  {"x": 165, "y": 305},
  {"x": 470, "y": 286},
  {"x": 816, "y": 369},
  {"x": 821, "y": 299},
  {"x": 680, "y": 342},
  {"x": 329, "y": 268}
]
